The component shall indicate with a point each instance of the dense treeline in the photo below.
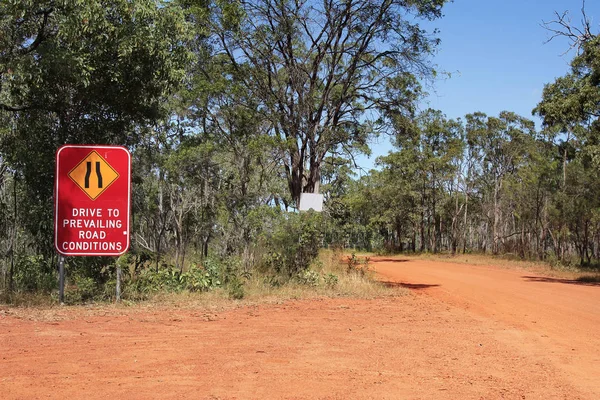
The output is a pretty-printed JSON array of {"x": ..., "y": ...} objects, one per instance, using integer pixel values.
[
  {"x": 233, "y": 109},
  {"x": 485, "y": 184},
  {"x": 493, "y": 183}
]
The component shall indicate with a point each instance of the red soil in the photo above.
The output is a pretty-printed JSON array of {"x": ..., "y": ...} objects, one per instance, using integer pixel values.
[{"x": 464, "y": 332}]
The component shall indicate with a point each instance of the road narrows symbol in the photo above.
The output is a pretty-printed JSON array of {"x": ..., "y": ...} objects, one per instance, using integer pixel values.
[
  {"x": 93, "y": 175},
  {"x": 99, "y": 174}
]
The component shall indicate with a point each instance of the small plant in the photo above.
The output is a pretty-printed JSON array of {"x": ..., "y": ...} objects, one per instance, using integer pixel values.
[
  {"x": 309, "y": 278},
  {"x": 330, "y": 280},
  {"x": 235, "y": 289},
  {"x": 366, "y": 264},
  {"x": 197, "y": 280},
  {"x": 84, "y": 289},
  {"x": 353, "y": 263}
]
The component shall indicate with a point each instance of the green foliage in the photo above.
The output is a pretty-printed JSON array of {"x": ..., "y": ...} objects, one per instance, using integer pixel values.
[
  {"x": 573, "y": 100},
  {"x": 308, "y": 277},
  {"x": 170, "y": 279},
  {"x": 294, "y": 243},
  {"x": 34, "y": 274},
  {"x": 81, "y": 290},
  {"x": 196, "y": 279},
  {"x": 76, "y": 71},
  {"x": 330, "y": 280},
  {"x": 235, "y": 288}
]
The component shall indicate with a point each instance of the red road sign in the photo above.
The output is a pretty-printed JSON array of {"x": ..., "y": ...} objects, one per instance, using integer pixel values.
[{"x": 92, "y": 197}]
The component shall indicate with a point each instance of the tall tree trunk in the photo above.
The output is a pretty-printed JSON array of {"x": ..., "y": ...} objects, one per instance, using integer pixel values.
[
  {"x": 205, "y": 246},
  {"x": 522, "y": 246},
  {"x": 496, "y": 217},
  {"x": 465, "y": 221},
  {"x": 13, "y": 244},
  {"x": 564, "y": 183},
  {"x": 422, "y": 227},
  {"x": 160, "y": 218},
  {"x": 544, "y": 228},
  {"x": 434, "y": 198}
]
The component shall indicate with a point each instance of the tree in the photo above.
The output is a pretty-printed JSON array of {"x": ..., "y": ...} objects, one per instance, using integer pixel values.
[
  {"x": 502, "y": 144},
  {"x": 570, "y": 110},
  {"x": 571, "y": 104},
  {"x": 432, "y": 146},
  {"x": 81, "y": 72},
  {"x": 326, "y": 74}
]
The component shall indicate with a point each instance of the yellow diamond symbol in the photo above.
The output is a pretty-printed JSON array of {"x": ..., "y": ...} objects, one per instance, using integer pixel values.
[{"x": 93, "y": 175}]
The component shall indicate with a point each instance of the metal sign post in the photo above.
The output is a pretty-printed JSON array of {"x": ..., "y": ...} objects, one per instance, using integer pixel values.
[
  {"x": 61, "y": 279},
  {"x": 118, "y": 289}
]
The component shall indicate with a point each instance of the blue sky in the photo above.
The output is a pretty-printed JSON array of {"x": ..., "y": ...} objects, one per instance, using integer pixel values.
[{"x": 496, "y": 53}]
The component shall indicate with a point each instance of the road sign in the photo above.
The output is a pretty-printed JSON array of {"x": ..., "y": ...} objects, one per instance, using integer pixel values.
[
  {"x": 311, "y": 201},
  {"x": 93, "y": 184},
  {"x": 92, "y": 200}
]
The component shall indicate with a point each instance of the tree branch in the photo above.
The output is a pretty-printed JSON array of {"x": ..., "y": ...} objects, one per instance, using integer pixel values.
[
  {"x": 562, "y": 26},
  {"x": 13, "y": 108}
]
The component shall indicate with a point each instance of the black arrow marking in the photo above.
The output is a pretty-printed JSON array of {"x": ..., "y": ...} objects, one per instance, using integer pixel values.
[
  {"x": 99, "y": 174},
  {"x": 88, "y": 166},
  {"x": 88, "y": 172}
]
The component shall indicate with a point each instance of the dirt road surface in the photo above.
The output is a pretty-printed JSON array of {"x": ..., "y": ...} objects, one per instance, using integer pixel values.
[
  {"x": 462, "y": 332},
  {"x": 554, "y": 320}
]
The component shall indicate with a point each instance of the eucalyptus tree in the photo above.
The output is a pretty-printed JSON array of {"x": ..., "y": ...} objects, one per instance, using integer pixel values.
[
  {"x": 570, "y": 111},
  {"x": 398, "y": 198},
  {"x": 326, "y": 73},
  {"x": 433, "y": 147},
  {"x": 76, "y": 71},
  {"x": 574, "y": 99},
  {"x": 501, "y": 144}
]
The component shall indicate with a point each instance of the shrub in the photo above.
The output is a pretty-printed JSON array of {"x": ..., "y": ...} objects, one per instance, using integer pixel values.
[
  {"x": 171, "y": 279},
  {"x": 83, "y": 289},
  {"x": 197, "y": 279},
  {"x": 353, "y": 263},
  {"x": 235, "y": 289},
  {"x": 34, "y": 273},
  {"x": 294, "y": 243},
  {"x": 309, "y": 278},
  {"x": 330, "y": 280}
]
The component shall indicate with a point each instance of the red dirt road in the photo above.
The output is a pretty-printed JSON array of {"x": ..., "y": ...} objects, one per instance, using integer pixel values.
[
  {"x": 483, "y": 333},
  {"x": 551, "y": 319}
]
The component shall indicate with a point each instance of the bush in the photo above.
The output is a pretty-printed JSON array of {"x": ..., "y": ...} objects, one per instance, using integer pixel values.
[
  {"x": 294, "y": 244},
  {"x": 82, "y": 290},
  {"x": 34, "y": 273},
  {"x": 171, "y": 279},
  {"x": 330, "y": 280},
  {"x": 235, "y": 289},
  {"x": 197, "y": 279},
  {"x": 309, "y": 278}
]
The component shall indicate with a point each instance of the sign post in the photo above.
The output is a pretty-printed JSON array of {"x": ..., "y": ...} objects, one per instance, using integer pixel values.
[
  {"x": 61, "y": 279},
  {"x": 92, "y": 200}
]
